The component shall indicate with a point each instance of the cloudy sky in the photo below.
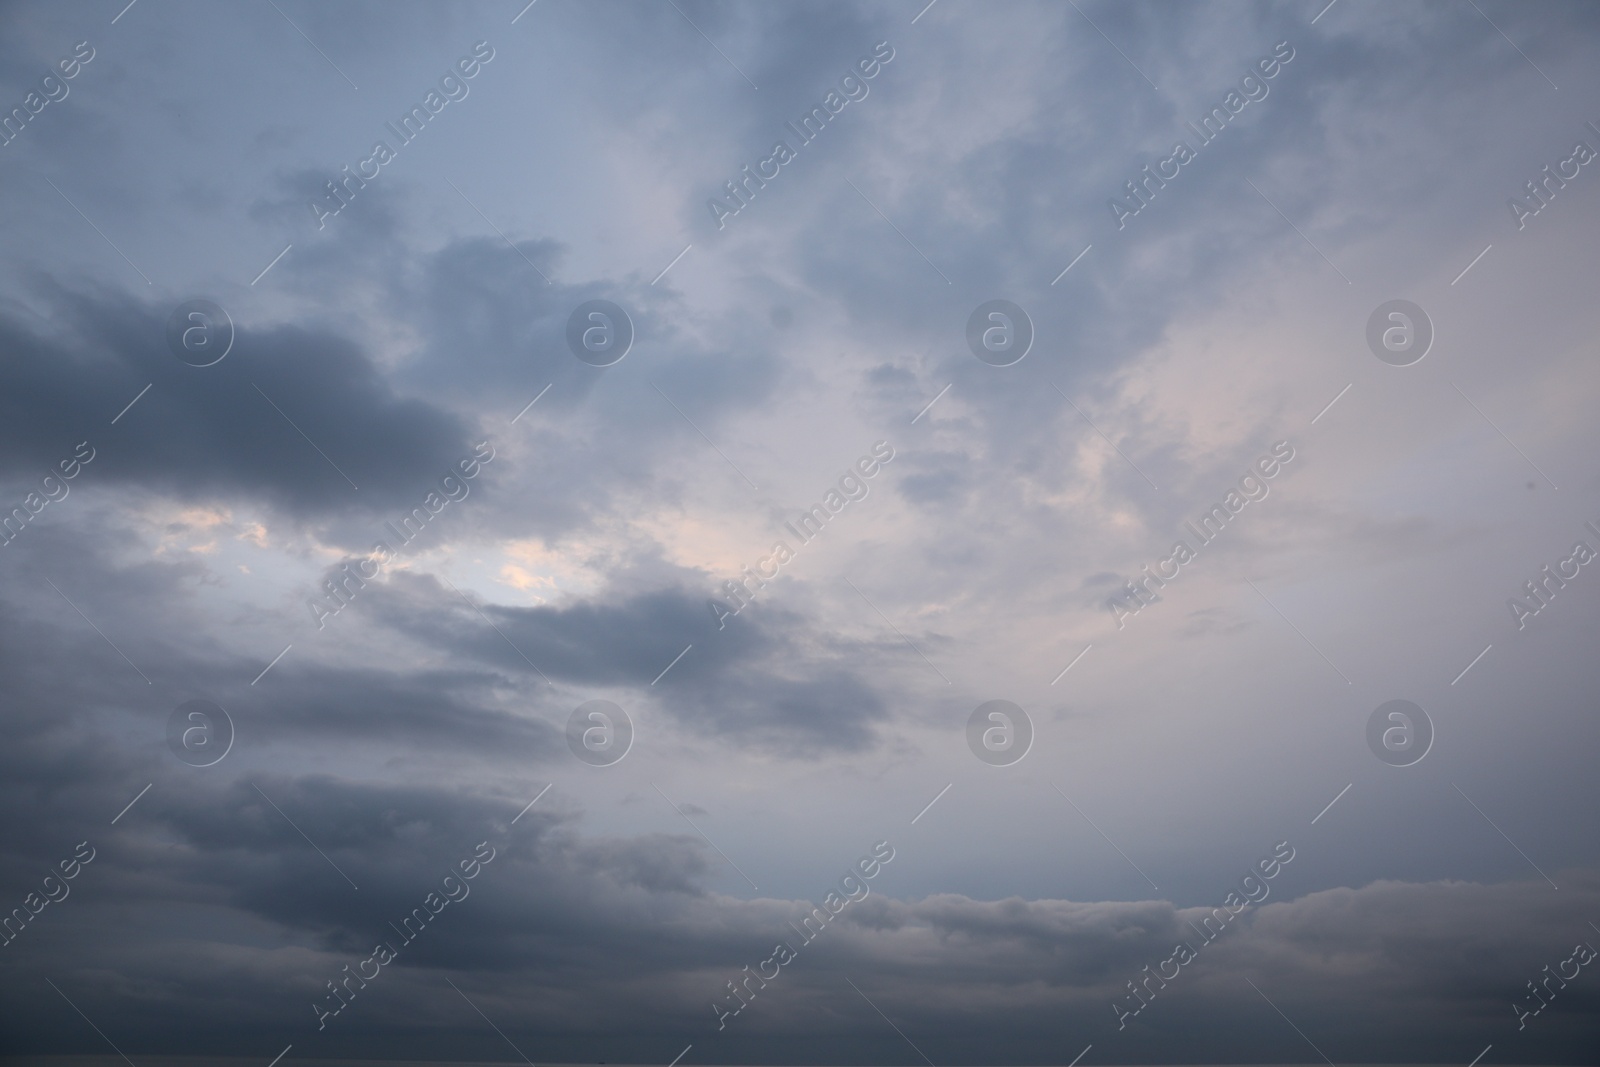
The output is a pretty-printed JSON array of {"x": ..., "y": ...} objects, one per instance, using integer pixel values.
[{"x": 339, "y": 480}]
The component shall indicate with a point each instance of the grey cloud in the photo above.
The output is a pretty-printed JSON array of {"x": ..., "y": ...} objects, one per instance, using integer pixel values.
[
  {"x": 755, "y": 682},
  {"x": 213, "y": 431}
]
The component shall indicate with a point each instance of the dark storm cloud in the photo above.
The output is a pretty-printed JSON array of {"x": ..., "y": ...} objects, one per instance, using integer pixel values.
[
  {"x": 560, "y": 937},
  {"x": 80, "y": 715},
  {"x": 207, "y": 432},
  {"x": 762, "y": 681},
  {"x": 375, "y": 707}
]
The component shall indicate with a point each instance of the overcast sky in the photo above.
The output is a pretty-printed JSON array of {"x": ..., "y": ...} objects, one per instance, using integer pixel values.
[{"x": 227, "y": 389}]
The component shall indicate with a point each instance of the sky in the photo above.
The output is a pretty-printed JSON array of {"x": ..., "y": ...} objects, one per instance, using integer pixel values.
[{"x": 517, "y": 519}]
